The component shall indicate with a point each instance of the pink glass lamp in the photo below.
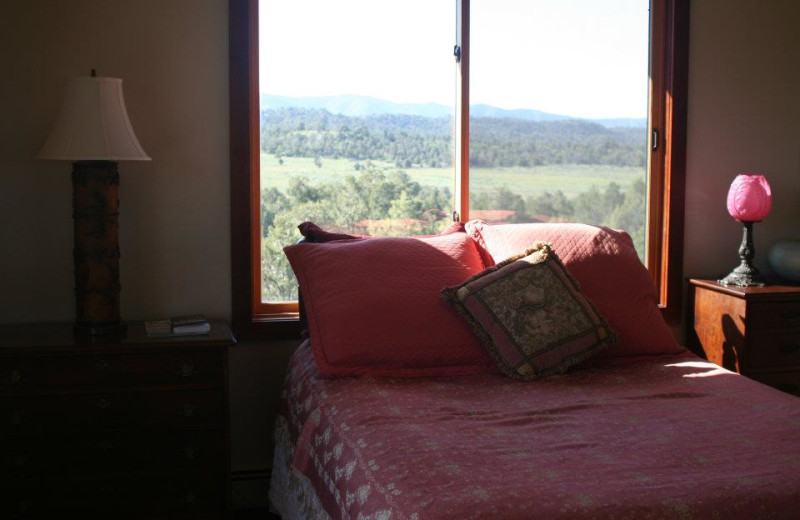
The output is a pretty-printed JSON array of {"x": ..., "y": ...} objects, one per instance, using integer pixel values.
[{"x": 749, "y": 200}]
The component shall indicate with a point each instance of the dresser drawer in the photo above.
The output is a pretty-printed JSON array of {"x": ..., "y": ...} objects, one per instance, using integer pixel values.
[
  {"x": 109, "y": 371},
  {"x": 773, "y": 350},
  {"x": 57, "y": 414},
  {"x": 769, "y": 316},
  {"x": 86, "y": 455},
  {"x": 788, "y": 382},
  {"x": 128, "y": 427},
  {"x": 120, "y": 497}
]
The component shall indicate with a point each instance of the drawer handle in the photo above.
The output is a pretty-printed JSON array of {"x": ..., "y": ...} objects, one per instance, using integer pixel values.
[
  {"x": 15, "y": 418},
  {"x": 790, "y": 348},
  {"x": 189, "y": 410},
  {"x": 790, "y": 316},
  {"x": 14, "y": 377},
  {"x": 188, "y": 369},
  {"x": 190, "y": 452}
]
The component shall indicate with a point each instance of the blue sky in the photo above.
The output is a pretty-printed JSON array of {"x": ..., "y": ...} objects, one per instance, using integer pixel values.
[{"x": 583, "y": 58}]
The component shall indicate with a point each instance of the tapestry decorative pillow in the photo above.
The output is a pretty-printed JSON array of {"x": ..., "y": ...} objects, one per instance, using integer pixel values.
[
  {"x": 531, "y": 315},
  {"x": 607, "y": 267},
  {"x": 374, "y": 309}
]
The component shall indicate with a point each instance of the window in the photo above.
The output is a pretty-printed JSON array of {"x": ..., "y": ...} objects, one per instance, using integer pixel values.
[
  {"x": 306, "y": 140},
  {"x": 366, "y": 151},
  {"x": 581, "y": 156}
]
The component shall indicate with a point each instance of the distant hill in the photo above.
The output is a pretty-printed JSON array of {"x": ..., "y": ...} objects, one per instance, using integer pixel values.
[
  {"x": 522, "y": 113},
  {"x": 355, "y": 106},
  {"x": 364, "y": 106}
]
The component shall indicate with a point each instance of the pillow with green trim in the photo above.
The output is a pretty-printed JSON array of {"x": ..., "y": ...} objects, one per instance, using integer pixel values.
[{"x": 531, "y": 315}]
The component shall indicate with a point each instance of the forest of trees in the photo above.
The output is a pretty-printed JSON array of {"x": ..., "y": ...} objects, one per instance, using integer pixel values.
[
  {"x": 375, "y": 194},
  {"x": 415, "y": 141},
  {"x": 388, "y": 201}
]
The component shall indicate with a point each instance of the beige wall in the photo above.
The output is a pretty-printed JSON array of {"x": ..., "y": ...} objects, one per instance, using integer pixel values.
[
  {"x": 744, "y": 116},
  {"x": 174, "y": 211},
  {"x": 172, "y": 55}
]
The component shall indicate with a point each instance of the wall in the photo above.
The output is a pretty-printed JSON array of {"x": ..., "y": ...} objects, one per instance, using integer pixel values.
[
  {"x": 744, "y": 108},
  {"x": 172, "y": 56},
  {"x": 174, "y": 211}
]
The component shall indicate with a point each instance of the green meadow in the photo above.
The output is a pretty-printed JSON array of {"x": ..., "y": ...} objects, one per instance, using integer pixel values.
[{"x": 524, "y": 181}]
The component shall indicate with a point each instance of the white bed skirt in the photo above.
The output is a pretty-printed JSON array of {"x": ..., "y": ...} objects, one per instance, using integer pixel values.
[{"x": 291, "y": 494}]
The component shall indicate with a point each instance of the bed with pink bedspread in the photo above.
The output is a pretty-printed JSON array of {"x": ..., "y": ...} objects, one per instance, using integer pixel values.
[{"x": 640, "y": 432}]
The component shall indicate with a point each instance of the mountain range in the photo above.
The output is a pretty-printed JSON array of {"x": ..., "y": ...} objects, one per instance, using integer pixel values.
[{"x": 362, "y": 106}]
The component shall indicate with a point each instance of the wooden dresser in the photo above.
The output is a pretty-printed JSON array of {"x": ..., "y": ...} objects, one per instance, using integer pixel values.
[
  {"x": 131, "y": 427},
  {"x": 751, "y": 330}
]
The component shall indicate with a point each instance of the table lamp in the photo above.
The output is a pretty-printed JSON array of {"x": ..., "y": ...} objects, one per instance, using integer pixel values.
[
  {"x": 93, "y": 131},
  {"x": 749, "y": 201}
]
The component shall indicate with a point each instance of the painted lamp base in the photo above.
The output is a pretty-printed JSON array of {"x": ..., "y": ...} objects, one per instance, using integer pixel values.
[{"x": 746, "y": 274}]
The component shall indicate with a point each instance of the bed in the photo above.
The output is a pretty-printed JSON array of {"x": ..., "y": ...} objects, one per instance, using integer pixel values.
[{"x": 395, "y": 408}]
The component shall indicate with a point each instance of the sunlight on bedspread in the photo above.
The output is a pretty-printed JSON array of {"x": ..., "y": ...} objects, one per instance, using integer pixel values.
[{"x": 709, "y": 369}]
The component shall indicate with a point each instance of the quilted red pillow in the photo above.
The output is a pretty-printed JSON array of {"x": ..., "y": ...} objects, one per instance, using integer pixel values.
[
  {"x": 313, "y": 233},
  {"x": 605, "y": 263},
  {"x": 374, "y": 309}
]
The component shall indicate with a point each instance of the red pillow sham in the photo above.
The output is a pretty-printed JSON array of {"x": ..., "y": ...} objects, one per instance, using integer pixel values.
[
  {"x": 313, "y": 233},
  {"x": 605, "y": 263},
  {"x": 374, "y": 309}
]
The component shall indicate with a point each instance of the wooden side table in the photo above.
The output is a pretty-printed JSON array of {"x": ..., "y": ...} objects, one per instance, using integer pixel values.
[
  {"x": 125, "y": 427},
  {"x": 754, "y": 331}
]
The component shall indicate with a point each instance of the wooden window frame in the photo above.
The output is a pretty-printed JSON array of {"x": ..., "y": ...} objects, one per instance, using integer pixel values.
[
  {"x": 669, "y": 69},
  {"x": 250, "y": 318},
  {"x": 669, "y": 33}
]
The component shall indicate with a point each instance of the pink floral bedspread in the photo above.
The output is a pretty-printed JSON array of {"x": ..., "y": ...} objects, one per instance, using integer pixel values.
[{"x": 650, "y": 438}]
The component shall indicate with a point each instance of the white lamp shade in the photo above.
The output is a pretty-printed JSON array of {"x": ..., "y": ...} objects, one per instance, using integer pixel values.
[{"x": 93, "y": 125}]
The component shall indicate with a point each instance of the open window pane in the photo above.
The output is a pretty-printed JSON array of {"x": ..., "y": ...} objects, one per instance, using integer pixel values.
[
  {"x": 356, "y": 116},
  {"x": 558, "y": 112}
]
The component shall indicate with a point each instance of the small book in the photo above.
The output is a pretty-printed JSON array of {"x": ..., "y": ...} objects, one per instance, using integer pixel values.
[
  {"x": 190, "y": 325},
  {"x": 194, "y": 324}
]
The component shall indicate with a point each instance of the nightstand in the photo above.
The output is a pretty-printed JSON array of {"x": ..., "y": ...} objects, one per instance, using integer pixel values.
[
  {"x": 126, "y": 427},
  {"x": 754, "y": 331}
]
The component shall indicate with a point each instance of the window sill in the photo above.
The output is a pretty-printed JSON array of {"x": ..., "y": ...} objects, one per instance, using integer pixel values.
[{"x": 283, "y": 326}]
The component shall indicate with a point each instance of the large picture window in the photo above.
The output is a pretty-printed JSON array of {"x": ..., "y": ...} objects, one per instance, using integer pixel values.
[
  {"x": 507, "y": 111},
  {"x": 558, "y": 112},
  {"x": 356, "y": 123}
]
